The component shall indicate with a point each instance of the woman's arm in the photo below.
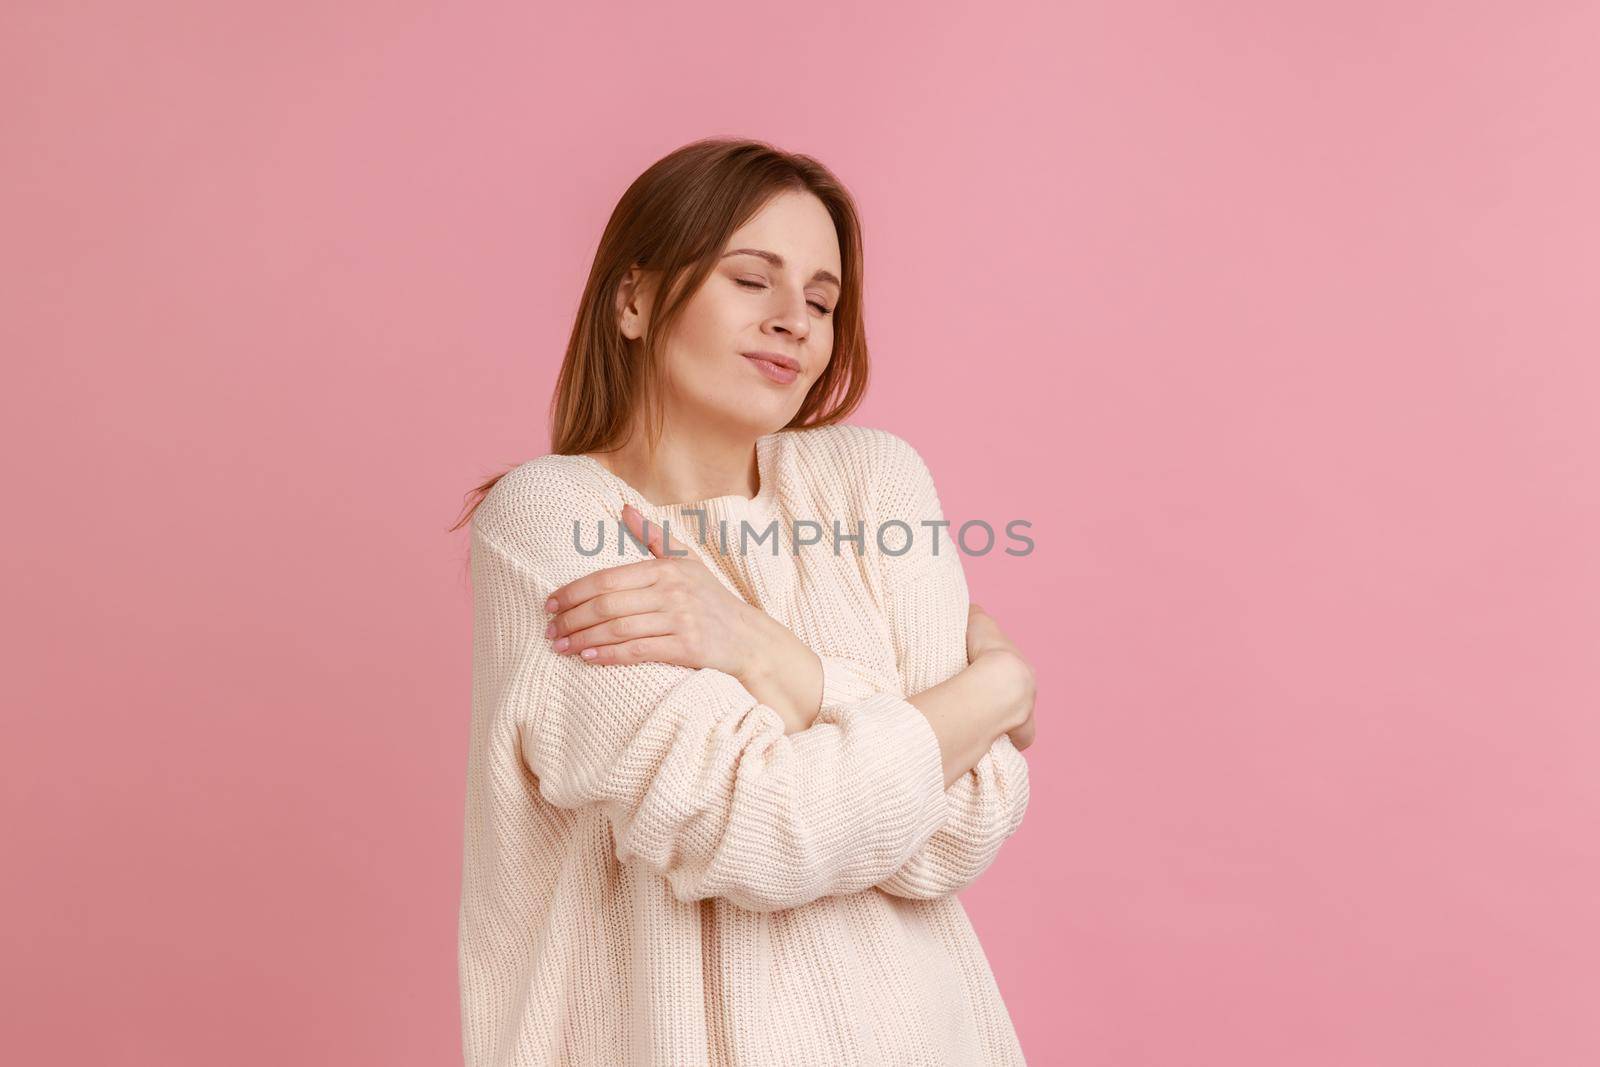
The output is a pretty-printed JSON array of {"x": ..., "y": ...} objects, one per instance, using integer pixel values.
[
  {"x": 967, "y": 711},
  {"x": 972, "y": 710},
  {"x": 920, "y": 591},
  {"x": 675, "y": 611},
  {"x": 972, "y": 707},
  {"x": 927, "y": 607},
  {"x": 698, "y": 779}
]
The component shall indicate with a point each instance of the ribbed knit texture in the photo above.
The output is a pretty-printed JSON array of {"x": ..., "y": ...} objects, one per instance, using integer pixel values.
[{"x": 656, "y": 874}]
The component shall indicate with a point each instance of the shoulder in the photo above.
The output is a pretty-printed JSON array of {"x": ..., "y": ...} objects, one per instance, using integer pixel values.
[
  {"x": 871, "y": 460},
  {"x": 530, "y": 512},
  {"x": 881, "y": 478},
  {"x": 849, "y": 439}
]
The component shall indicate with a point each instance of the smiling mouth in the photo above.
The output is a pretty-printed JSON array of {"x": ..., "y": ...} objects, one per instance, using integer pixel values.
[
  {"x": 775, "y": 357},
  {"x": 776, "y": 372}
]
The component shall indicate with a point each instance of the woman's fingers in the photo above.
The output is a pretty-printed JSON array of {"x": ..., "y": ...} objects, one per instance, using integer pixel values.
[
  {"x": 665, "y": 648},
  {"x": 983, "y": 632},
  {"x": 610, "y": 580},
  {"x": 592, "y": 641},
  {"x": 661, "y": 544},
  {"x": 667, "y": 609},
  {"x": 621, "y": 604},
  {"x": 1023, "y": 735},
  {"x": 984, "y": 635},
  {"x": 637, "y": 575},
  {"x": 601, "y": 608}
]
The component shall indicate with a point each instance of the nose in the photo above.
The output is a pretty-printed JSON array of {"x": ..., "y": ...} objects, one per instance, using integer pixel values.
[{"x": 791, "y": 319}]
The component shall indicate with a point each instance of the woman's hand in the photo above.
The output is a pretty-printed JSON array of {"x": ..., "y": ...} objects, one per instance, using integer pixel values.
[
  {"x": 985, "y": 638},
  {"x": 667, "y": 609},
  {"x": 671, "y": 609}
]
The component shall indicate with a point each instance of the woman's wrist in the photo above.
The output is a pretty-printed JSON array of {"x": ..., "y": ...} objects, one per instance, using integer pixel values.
[
  {"x": 781, "y": 671},
  {"x": 1009, "y": 679},
  {"x": 972, "y": 709}
]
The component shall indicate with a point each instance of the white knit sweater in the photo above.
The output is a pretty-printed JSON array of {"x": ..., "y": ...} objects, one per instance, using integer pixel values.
[{"x": 654, "y": 872}]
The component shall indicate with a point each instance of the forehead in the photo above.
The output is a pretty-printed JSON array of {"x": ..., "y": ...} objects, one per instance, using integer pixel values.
[{"x": 797, "y": 227}]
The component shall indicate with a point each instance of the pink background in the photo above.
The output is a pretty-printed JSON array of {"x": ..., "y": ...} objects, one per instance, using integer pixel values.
[{"x": 1277, "y": 321}]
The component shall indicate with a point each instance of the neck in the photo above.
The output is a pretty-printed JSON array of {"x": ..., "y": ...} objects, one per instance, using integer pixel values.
[{"x": 686, "y": 466}]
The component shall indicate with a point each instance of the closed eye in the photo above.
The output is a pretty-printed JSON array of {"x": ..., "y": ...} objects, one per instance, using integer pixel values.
[{"x": 821, "y": 308}]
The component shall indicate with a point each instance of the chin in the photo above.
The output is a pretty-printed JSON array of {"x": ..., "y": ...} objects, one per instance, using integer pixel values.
[{"x": 755, "y": 419}]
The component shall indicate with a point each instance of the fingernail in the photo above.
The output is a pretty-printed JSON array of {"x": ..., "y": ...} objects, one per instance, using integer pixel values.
[
  {"x": 587, "y": 653},
  {"x": 563, "y": 642},
  {"x": 551, "y": 605}
]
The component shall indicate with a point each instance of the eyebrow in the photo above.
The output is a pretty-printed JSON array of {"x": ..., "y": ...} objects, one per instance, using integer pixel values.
[{"x": 777, "y": 261}]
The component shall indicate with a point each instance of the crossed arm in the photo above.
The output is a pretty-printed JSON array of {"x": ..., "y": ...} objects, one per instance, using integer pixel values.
[
  {"x": 926, "y": 601},
  {"x": 967, "y": 704},
  {"x": 985, "y": 803},
  {"x": 702, "y": 783}
]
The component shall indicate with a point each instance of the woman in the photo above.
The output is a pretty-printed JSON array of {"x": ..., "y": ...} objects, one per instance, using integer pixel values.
[{"x": 724, "y": 787}]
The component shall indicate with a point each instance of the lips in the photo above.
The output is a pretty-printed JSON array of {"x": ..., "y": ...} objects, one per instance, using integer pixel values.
[
  {"x": 776, "y": 357},
  {"x": 772, "y": 370}
]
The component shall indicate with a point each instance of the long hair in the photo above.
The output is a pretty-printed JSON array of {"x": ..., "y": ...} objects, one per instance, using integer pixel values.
[{"x": 676, "y": 218}]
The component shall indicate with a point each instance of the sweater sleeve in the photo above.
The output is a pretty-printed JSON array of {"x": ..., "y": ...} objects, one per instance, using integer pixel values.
[
  {"x": 926, "y": 601},
  {"x": 697, "y": 778}
]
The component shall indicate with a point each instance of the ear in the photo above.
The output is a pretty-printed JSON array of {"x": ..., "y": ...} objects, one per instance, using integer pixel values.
[{"x": 633, "y": 303}]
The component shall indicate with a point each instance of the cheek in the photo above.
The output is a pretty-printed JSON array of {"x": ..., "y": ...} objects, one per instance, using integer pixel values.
[
  {"x": 822, "y": 342},
  {"x": 714, "y": 324}
]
